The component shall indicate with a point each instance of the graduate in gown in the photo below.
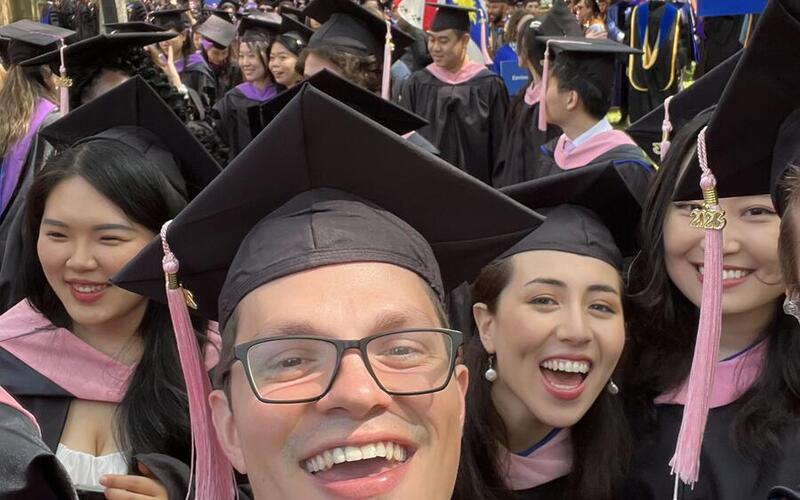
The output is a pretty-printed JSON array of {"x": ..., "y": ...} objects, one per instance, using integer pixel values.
[
  {"x": 256, "y": 33},
  {"x": 577, "y": 96},
  {"x": 30, "y": 470},
  {"x": 96, "y": 366},
  {"x": 368, "y": 265},
  {"x": 661, "y": 30},
  {"x": 544, "y": 419},
  {"x": 351, "y": 43},
  {"x": 192, "y": 69},
  {"x": 29, "y": 102},
  {"x": 522, "y": 139},
  {"x": 285, "y": 51},
  {"x": 464, "y": 102},
  {"x": 216, "y": 37},
  {"x": 752, "y": 437}
]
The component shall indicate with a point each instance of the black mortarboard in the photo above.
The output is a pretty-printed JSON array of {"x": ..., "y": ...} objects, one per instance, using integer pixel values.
[
  {"x": 89, "y": 50},
  {"x": 336, "y": 188},
  {"x": 132, "y": 27},
  {"x": 222, "y": 14},
  {"x": 289, "y": 25},
  {"x": 293, "y": 12},
  {"x": 4, "y": 50},
  {"x": 117, "y": 113},
  {"x": 395, "y": 118},
  {"x": 218, "y": 31},
  {"x": 170, "y": 19},
  {"x": 451, "y": 17},
  {"x": 595, "y": 62},
  {"x": 598, "y": 209},
  {"x": 28, "y": 39},
  {"x": 761, "y": 94},
  {"x": 258, "y": 26},
  {"x": 648, "y": 132},
  {"x": 346, "y": 24}
]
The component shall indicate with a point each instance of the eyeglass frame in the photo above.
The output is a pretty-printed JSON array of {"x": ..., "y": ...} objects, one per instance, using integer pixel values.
[{"x": 240, "y": 353}]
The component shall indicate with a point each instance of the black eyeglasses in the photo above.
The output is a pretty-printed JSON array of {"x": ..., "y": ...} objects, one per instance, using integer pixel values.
[{"x": 302, "y": 369}]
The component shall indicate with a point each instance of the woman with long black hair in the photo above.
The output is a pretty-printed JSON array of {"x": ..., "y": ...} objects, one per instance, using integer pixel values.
[{"x": 95, "y": 365}]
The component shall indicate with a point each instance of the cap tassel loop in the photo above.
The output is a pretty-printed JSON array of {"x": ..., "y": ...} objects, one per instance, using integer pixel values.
[
  {"x": 388, "y": 47},
  {"x": 686, "y": 461},
  {"x": 63, "y": 82},
  {"x": 666, "y": 130},
  {"x": 211, "y": 472},
  {"x": 487, "y": 59},
  {"x": 543, "y": 99}
]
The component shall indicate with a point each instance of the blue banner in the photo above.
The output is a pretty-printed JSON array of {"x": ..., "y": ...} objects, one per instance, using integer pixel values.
[
  {"x": 711, "y": 8},
  {"x": 514, "y": 76}
]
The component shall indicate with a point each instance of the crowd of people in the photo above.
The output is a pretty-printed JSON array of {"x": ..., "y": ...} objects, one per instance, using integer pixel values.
[{"x": 320, "y": 251}]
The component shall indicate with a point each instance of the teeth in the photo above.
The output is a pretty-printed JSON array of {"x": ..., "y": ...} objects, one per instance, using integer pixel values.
[
  {"x": 728, "y": 274},
  {"x": 89, "y": 288},
  {"x": 565, "y": 365},
  {"x": 328, "y": 458}
]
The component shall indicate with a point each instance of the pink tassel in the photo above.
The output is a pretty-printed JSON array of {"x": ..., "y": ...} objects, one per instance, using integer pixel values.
[
  {"x": 64, "y": 84},
  {"x": 212, "y": 473},
  {"x": 543, "y": 99},
  {"x": 487, "y": 59},
  {"x": 387, "y": 62},
  {"x": 666, "y": 129},
  {"x": 686, "y": 461}
]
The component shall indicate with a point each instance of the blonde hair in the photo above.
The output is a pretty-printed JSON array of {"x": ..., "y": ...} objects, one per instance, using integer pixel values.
[{"x": 21, "y": 88}]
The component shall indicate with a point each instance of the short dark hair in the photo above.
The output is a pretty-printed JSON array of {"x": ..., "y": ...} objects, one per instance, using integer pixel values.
[{"x": 591, "y": 78}]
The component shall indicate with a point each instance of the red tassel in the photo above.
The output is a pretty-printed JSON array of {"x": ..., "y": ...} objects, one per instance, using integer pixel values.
[
  {"x": 543, "y": 99},
  {"x": 212, "y": 474},
  {"x": 686, "y": 461}
]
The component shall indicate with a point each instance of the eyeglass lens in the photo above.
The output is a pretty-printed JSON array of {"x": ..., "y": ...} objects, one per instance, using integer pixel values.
[{"x": 289, "y": 369}]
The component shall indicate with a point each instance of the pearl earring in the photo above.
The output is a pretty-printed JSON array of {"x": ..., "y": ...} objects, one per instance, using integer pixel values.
[
  {"x": 612, "y": 387},
  {"x": 491, "y": 373}
]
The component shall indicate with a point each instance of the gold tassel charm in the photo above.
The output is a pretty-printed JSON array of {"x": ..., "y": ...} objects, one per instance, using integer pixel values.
[
  {"x": 711, "y": 216},
  {"x": 188, "y": 296}
]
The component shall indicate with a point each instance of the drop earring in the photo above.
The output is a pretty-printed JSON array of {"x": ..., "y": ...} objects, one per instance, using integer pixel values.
[
  {"x": 490, "y": 374},
  {"x": 612, "y": 387}
]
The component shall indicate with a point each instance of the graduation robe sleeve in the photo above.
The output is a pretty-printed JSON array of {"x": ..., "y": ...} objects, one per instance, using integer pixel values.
[
  {"x": 28, "y": 469},
  {"x": 199, "y": 77},
  {"x": 521, "y": 143},
  {"x": 231, "y": 121},
  {"x": 466, "y": 120}
]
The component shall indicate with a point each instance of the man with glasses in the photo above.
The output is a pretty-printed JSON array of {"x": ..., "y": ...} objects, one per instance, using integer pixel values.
[{"x": 317, "y": 251}]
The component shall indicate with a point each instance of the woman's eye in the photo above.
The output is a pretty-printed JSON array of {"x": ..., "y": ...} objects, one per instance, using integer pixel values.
[
  {"x": 603, "y": 308},
  {"x": 55, "y": 235},
  {"x": 543, "y": 301},
  {"x": 760, "y": 211},
  {"x": 688, "y": 206}
]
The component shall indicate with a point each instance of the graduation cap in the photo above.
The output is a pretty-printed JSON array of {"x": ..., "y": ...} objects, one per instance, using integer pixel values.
[
  {"x": 762, "y": 93},
  {"x": 89, "y": 50},
  {"x": 451, "y": 17},
  {"x": 170, "y": 19},
  {"x": 346, "y": 24},
  {"x": 347, "y": 180},
  {"x": 293, "y": 12},
  {"x": 134, "y": 105},
  {"x": 604, "y": 227},
  {"x": 218, "y": 31},
  {"x": 395, "y": 118},
  {"x": 132, "y": 27},
  {"x": 4, "y": 50},
  {"x": 28, "y": 39},
  {"x": 259, "y": 27},
  {"x": 222, "y": 14},
  {"x": 290, "y": 25},
  {"x": 652, "y": 132},
  {"x": 596, "y": 62}
]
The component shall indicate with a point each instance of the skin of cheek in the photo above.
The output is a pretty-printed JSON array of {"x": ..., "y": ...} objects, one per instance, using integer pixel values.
[{"x": 426, "y": 420}]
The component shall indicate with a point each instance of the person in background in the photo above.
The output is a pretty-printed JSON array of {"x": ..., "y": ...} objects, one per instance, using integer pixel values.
[
  {"x": 591, "y": 18},
  {"x": 216, "y": 46},
  {"x": 497, "y": 12},
  {"x": 464, "y": 102},
  {"x": 509, "y": 50},
  {"x": 285, "y": 52}
]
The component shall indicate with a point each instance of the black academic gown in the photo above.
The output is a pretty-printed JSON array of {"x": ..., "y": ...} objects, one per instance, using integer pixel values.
[
  {"x": 554, "y": 490},
  {"x": 232, "y": 121},
  {"x": 197, "y": 75},
  {"x": 28, "y": 469},
  {"x": 466, "y": 120},
  {"x": 11, "y": 219},
  {"x": 725, "y": 474},
  {"x": 629, "y": 159},
  {"x": 649, "y": 87},
  {"x": 521, "y": 145}
]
